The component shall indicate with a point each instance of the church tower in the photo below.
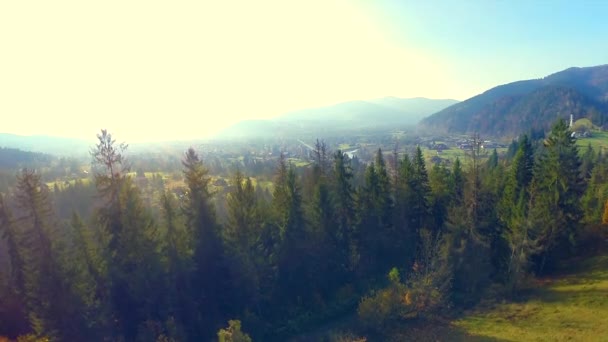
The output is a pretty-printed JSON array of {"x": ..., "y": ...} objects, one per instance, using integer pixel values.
[{"x": 571, "y": 120}]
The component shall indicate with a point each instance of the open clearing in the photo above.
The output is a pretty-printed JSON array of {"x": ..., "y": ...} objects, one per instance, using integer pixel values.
[{"x": 570, "y": 307}]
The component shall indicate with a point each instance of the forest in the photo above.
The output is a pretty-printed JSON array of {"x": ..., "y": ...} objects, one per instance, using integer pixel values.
[{"x": 393, "y": 240}]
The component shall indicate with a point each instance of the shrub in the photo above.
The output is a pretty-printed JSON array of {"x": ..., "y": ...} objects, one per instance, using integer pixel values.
[
  {"x": 233, "y": 333},
  {"x": 424, "y": 294}
]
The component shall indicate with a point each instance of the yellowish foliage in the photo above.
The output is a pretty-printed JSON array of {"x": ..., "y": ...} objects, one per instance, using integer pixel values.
[{"x": 408, "y": 298}]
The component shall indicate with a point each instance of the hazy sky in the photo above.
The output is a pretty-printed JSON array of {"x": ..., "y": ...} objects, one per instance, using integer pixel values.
[{"x": 150, "y": 70}]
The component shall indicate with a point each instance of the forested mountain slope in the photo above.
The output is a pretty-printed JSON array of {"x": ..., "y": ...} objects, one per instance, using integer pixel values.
[{"x": 514, "y": 108}]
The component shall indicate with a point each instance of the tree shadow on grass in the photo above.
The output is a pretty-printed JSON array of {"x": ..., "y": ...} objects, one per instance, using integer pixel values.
[{"x": 432, "y": 332}]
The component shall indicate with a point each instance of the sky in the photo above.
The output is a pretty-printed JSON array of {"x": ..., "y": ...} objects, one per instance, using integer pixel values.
[{"x": 169, "y": 70}]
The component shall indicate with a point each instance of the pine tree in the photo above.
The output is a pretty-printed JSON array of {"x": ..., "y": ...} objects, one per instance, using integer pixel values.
[
  {"x": 48, "y": 301},
  {"x": 492, "y": 160},
  {"x": 457, "y": 182},
  {"x": 210, "y": 281},
  {"x": 13, "y": 316},
  {"x": 513, "y": 213},
  {"x": 439, "y": 182},
  {"x": 241, "y": 238},
  {"x": 587, "y": 162},
  {"x": 135, "y": 281},
  {"x": 88, "y": 271},
  {"x": 375, "y": 219},
  {"x": 293, "y": 238},
  {"x": 344, "y": 209},
  {"x": 556, "y": 189},
  {"x": 111, "y": 168},
  {"x": 177, "y": 253},
  {"x": 421, "y": 192},
  {"x": 405, "y": 239},
  {"x": 469, "y": 230},
  {"x": 596, "y": 194}
]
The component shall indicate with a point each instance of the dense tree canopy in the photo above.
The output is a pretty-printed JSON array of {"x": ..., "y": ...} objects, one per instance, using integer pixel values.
[{"x": 134, "y": 264}]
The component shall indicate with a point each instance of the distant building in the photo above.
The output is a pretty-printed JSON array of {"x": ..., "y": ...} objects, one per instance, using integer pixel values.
[{"x": 571, "y": 120}]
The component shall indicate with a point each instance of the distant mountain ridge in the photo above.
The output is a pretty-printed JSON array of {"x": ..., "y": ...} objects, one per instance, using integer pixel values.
[
  {"x": 45, "y": 144},
  {"x": 514, "y": 108},
  {"x": 384, "y": 113}
]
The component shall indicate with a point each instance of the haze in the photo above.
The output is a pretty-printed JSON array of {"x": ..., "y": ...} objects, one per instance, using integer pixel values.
[{"x": 152, "y": 70}]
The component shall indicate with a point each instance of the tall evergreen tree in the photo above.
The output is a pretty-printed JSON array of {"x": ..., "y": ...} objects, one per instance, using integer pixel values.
[
  {"x": 421, "y": 192},
  {"x": 211, "y": 289},
  {"x": 177, "y": 254},
  {"x": 440, "y": 184},
  {"x": 48, "y": 300},
  {"x": 375, "y": 218},
  {"x": 513, "y": 212},
  {"x": 556, "y": 189},
  {"x": 595, "y": 194},
  {"x": 89, "y": 273},
  {"x": 343, "y": 209},
  {"x": 13, "y": 315},
  {"x": 241, "y": 239},
  {"x": 293, "y": 238},
  {"x": 469, "y": 228},
  {"x": 457, "y": 182}
]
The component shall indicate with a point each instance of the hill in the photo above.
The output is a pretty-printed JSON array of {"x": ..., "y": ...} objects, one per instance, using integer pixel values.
[
  {"x": 384, "y": 113},
  {"x": 12, "y": 158},
  {"x": 510, "y": 109},
  {"x": 45, "y": 144}
]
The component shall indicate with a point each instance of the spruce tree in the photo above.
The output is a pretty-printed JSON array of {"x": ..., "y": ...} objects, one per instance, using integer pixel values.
[
  {"x": 513, "y": 213},
  {"x": 241, "y": 233},
  {"x": 555, "y": 198},
  {"x": 177, "y": 254},
  {"x": 210, "y": 282},
  {"x": 13, "y": 315},
  {"x": 421, "y": 192},
  {"x": 48, "y": 301},
  {"x": 343, "y": 209}
]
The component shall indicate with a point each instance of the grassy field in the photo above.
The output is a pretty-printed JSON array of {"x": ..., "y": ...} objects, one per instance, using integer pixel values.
[
  {"x": 597, "y": 140},
  {"x": 453, "y": 153},
  {"x": 569, "y": 307}
]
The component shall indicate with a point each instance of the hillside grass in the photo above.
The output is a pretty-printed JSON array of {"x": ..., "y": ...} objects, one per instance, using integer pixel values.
[
  {"x": 569, "y": 306},
  {"x": 452, "y": 153},
  {"x": 572, "y": 306},
  {"x": 598, "y": 140}
]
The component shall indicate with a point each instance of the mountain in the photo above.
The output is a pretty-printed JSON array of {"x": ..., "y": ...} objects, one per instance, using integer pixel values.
[
  {"x": 384, "y": 113},
  {"x": 514, "y": 108},
  {"x": 45, "y": 144},
  {"x": 12, "y": 158}
]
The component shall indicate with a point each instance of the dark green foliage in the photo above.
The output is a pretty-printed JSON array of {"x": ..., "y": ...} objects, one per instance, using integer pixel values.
[
  {"x": 344, "y": 205},
  {"x": 421, "y": 191},
  {"x": 471, "y": 231},
  {"x": 151, "y": 262},
  {"x": 241, "y": 235},
  {"x": 596, "y": 194},
  {"x": 13, "y": 319},
  {"x": 457, "y": 182},
  {"x": 517, "y": 107},
  {"x": 555, "y": 197},
  {"x": 209, "y": 264},
  {"x": 51, "y": 308},
  {"x": 292, "y": 249},
  {"x": 513, "y": 213},
  {"x": 440, "y": 179},
  {"x": 374, "y": 218}
]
